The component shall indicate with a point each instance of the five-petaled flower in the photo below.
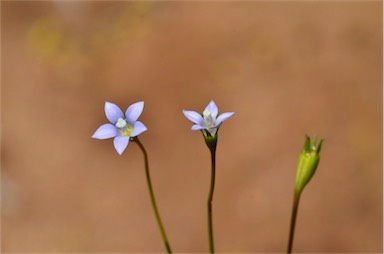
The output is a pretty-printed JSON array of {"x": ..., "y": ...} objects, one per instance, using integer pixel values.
[
  {"x": 121, "y": 128},
  {"x": 209, "y": 122}
]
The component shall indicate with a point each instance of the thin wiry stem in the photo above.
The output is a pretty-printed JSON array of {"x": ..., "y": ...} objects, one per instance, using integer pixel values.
[
  {"x": 152, "y": 195},
  {"x": 295, "y": 206},
  {"x": 210, "y": 196}
]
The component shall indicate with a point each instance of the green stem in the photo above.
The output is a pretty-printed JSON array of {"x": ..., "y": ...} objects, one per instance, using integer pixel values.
[
  {"x": 295, "y": 206},
  {"x": 152, "y": 195},
  {"x": 210, "y": 196}
]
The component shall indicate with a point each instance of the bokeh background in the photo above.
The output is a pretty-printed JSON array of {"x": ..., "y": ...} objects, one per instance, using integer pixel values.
[{"x": 286, "y": 68}]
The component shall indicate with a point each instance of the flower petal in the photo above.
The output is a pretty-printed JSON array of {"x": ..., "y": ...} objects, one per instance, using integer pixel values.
[
  {"x": 134, "y": 111},
  {"x": 197, "y": 127},
  {"x": 120, "y": 144},
  {"x": 193, "y": 116},
  {"x": 138, "y": 128},
  {"x": 112, "y": 112},
  {"x": 213, "y": 109},
  {"x": 105, "y": 131},
  {"x": 223, "y": 117}
]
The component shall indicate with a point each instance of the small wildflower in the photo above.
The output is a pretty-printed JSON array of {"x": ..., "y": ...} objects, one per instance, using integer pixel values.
[
  {"x": 122, "y": 127},
  {"x": 208, "y": 122}
]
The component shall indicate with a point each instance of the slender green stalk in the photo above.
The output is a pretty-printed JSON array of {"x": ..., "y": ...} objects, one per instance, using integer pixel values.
[
  {"x": 152, "y": 195},
  {"x": 210, "y": 196},
  {"x": 295, "y": 206}
]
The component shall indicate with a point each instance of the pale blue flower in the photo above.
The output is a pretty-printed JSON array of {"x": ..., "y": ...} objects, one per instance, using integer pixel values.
[
  {"x": 122, "y": 127},
  {"x": 209, "y": 121}
]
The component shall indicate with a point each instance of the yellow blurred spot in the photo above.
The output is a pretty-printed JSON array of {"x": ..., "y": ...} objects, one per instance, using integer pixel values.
[
  {"x": 143, "y": 7},
  {"x": 45, "y": 38}
]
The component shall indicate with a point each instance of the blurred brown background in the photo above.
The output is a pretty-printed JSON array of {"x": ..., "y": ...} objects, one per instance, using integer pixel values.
[{"x": 286, "y": 68}]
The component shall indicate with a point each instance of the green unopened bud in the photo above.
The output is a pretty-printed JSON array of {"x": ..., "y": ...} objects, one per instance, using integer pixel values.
[{"x": 308, "y": 161}]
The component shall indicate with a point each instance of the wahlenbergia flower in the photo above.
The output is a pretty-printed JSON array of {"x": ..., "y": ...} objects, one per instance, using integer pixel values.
[
  {"x": 125, "y": 128},
  {"x": 209, "y": 122},
  {"x": 122, "y": 127}
]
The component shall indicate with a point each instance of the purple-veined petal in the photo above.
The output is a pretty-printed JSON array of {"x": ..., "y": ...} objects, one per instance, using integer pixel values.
[
  {"x": 197, "y": 127},
  {"x": 112, "y": 112},
  {"x": 138, "y": 128},
  {"x": 105, "y": 131},
  {"x": 120, "y": 144},
  {"x": 134, "y": 111},
  {"x": 213, "y": 109},
  {"x": 193, "y": 116},
  {"x": 223, "y": 117}
]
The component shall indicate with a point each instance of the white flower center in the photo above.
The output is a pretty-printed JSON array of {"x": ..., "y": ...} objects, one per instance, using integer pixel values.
[
  {"x": 121, "y": 123},
  {"x": 208, "y": 119},
  {"x": 124, "y": 127}
]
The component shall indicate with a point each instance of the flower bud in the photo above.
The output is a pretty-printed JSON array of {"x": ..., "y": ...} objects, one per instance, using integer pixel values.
[{"x": 308, "y": 161}]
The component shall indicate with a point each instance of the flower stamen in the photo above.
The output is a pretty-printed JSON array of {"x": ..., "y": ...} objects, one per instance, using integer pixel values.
[{"x": 127, "y": 131}]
